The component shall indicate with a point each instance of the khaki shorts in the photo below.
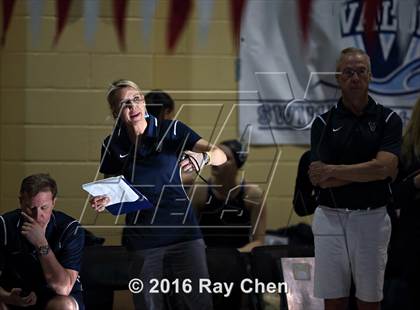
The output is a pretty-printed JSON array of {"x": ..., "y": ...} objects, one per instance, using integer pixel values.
[{"x": 350, "y": 243}]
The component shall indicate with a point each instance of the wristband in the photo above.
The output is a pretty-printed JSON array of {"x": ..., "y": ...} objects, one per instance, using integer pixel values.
[{"x": 206, "y": 158}]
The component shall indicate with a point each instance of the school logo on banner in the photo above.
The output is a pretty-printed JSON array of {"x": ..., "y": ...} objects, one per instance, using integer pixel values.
[{"x": 295, "y": 80}]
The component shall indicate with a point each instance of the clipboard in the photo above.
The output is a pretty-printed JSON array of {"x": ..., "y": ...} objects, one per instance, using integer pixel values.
[{"x": 124, "y": 198}]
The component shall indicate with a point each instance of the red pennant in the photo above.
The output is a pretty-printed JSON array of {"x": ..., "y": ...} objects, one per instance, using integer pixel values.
[
  {"x": 178, "y": 16},
  {"x": 371, "y": 10},
  {"x": 304, "y": 17},
  {"x": 8, "y": 6},
  {"x": 63, "y": 8},
  {"x": 236, "y": 10},
  {"x": 120, "y": 7}
]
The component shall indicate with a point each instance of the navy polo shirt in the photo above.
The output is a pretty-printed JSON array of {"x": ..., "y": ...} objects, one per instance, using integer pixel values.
[
  {"x": 153, "y": 168},
  {"x": 19, "y": 262},
  {"x": 340, "y": 137}
]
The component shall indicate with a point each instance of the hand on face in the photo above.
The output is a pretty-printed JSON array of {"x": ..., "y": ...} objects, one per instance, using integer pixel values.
[
  {"x": 37, "y": 213},
  {"x": 33, "y": 231},
  {"x": 15, "y": 299}
]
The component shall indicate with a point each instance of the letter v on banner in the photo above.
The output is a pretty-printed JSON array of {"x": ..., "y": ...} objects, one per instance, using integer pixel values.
[{"x": 286, "y": 82}]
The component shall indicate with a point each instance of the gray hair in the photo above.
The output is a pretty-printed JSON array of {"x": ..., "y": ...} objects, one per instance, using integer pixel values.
[{"x": 352, "y": 50}]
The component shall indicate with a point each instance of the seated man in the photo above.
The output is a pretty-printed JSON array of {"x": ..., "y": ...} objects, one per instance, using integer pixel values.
[{"x": 40, "y": 251}]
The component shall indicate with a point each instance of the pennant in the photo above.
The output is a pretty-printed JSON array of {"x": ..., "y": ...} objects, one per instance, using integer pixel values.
[
  {"x": 35, "y": 9},
  {"x": 205, "y": 10},
  {"x": 62, "y": 7},
  {"x": 371, "y": 12},
  {"x": 8, "y": 6},
  {"x": 236, "y": 10},
  {"x": 90, "y": 12},
  {"x": 120, "y": 7},
  {"x": 305, "y": 17},
  {"x": 178, "y": 15},
  {"x": 148, "y": 9}
]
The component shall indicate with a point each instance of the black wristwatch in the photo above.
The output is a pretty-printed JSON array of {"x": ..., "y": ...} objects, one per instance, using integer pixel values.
[{"x": 43, "y": 250}]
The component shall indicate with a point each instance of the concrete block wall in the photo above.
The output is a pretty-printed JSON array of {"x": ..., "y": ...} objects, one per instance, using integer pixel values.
[{"x": 54, "y": 116}]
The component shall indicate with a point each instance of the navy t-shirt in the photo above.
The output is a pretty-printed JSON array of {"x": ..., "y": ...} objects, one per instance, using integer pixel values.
[
  {"x": 152, "y": 166},
  {"x": 19, "y": 262}
]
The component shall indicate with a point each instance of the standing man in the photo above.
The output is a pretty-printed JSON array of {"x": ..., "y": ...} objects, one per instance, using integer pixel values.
[
  {"x": 40, "y": 251},
  {"x": 355, "y": 148}
]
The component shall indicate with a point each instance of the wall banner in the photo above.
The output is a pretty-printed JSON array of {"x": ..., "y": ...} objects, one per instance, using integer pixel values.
[{"x": 286, "y": 81}]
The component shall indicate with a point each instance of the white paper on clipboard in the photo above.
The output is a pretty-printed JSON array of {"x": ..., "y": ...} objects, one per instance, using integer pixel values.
[{"x": 116, "y": 188}]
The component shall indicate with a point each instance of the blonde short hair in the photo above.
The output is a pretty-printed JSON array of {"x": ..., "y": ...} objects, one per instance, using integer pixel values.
[{"x": 116, "y": 85}]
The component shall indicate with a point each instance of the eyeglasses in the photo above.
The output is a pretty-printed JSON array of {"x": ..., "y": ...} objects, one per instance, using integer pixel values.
[
  {"x": 129, "y": 102},
  {"x": 348, "y": 73}
]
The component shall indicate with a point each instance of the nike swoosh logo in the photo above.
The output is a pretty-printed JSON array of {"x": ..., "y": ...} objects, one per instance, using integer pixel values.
[
  {"x": 337, "y": 129},
  {"x": 123, "y": 156}
]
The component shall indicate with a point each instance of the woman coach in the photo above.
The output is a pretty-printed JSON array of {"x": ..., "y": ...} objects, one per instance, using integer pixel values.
[{"x": 148, "y": 153}]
